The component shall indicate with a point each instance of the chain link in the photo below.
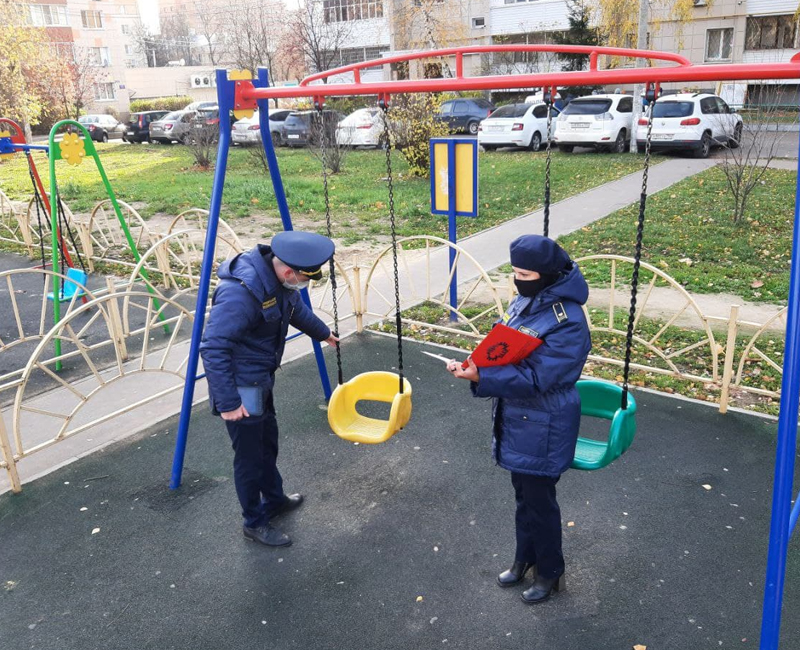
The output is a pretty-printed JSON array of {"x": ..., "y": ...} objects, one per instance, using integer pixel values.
[
  {"x": 37, "y": 199},
  {"x": 636, "y": 261},
  {"x": 331, "y": 263},
  {"x": 389, "y": 180},
  {"x": 546, "y": 227}
]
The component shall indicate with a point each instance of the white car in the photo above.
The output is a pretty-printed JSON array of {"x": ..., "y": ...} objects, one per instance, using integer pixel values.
[
  {"x": 248, "y": 130},
  {"x": 691, "y": 121},
  {"x": 601, "y": 121},
  {"x": 362, "y": 128},
  {"x": 516, "y": 125}
]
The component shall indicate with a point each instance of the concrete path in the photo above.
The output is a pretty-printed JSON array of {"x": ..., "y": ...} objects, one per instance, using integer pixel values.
[{"x": 489, "y": 248}]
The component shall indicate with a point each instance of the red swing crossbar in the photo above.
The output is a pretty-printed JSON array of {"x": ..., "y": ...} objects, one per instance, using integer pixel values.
[{"x": 315, "y": 86}]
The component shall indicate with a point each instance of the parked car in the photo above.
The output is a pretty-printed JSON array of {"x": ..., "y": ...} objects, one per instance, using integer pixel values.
[
  {"x": 517, "y": 125},
  {"x": 205, "y": 124},
  {"x": 299, "y": 126},
  {"x": 362, "y": 128},
  {"x": 465, "y": 114},
  {"x": 248, "y": 129},
  {"x": 102, "y": 128},
  {"x": 173, "y": 127},
  {"x": 694, "y": 122},
  {"x": 138, "y": 129},
  {"x": 601, "y": 121},
  {"x": 538, "y": 98},
  {"x": 199, "y": 106}
]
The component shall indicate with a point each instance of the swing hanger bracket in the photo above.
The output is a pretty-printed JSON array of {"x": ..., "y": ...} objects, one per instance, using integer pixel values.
[
  {"x": 549, "y": 94},
  {"x": 384, "y": 100},
  {"x": 652, "y": 91},
  {"x": 319, "y": 102},
  {"x": 242, "y": 99}
]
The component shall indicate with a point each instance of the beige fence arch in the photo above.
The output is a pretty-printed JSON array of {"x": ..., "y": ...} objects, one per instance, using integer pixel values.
[{"x": 103, "y": 239}]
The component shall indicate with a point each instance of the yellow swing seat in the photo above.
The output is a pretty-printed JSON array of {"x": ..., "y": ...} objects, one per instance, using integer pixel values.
[{"x": 377, "y": 386}]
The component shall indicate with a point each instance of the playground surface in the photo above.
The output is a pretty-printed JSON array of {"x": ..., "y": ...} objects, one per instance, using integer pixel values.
[{"x": 397, "y": 545}]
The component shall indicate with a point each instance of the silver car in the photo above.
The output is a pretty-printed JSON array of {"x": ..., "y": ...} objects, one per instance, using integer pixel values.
[
  {"x": 248, "y": 130},
  {"x": 173, "y": 127}
]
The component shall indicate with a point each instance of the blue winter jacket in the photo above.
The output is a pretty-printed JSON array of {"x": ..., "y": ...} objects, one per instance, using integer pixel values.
[
  {"x": 536, "y": 408},
  {"x": 245, "y": 336}
]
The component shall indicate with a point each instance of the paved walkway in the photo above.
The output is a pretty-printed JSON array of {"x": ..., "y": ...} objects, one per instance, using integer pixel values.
[{"x": 489, "y": 248}]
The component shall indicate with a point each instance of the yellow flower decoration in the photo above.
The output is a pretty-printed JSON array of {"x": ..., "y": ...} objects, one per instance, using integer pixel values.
[
  {"x": 5, "y": 156},
  {"x": 72, "y": 149}
]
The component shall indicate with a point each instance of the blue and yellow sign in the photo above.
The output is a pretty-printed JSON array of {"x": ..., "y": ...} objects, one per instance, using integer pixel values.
[{"x": 454, "y": 175}]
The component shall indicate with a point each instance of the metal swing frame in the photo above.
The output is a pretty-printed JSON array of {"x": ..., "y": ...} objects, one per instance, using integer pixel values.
[{"x": 237, "y": 94}]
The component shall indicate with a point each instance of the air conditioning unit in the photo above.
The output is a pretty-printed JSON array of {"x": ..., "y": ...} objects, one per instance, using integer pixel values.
[{"x": 202, "y": 80}]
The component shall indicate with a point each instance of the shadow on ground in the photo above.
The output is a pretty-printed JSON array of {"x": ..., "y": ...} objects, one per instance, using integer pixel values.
[{"x": 398, "y": 544}]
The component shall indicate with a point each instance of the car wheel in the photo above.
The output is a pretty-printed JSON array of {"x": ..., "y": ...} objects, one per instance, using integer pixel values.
[
  {"x": 489, "y": 147},
  {"x": 736, "y": 140},
  {"x": 566, "y": 148},
  {"x": 619, "y": 143},
  {"x": 104, "y": 138},
  {"x": 536, "y": 142},
  {"x": 472, "y": 127},
  {"x": 276, "y": 139},
  {"x": 149, "y": 140},
  {"x": 640, "y": 148},
  {"x": 705, "y": 146}
]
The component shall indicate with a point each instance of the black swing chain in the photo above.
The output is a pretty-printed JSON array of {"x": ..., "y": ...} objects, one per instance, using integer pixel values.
[
  {"x": 332, "y": 264},
  {"x": 546, "y": 227},
  {"x": 636, "y": 262},
  {"x": 37, "y": 199},
  {"x": 65, "y": 226},
  {"x": 389, "y": 181}
]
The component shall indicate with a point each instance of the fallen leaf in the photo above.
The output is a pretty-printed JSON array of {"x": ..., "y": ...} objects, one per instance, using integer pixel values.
[
  {"x": 419, "y": 599},
  {"x": 570, "y": 524},
  {"x": 756, "y": 284},
  {"x": 639, "y": 647},
  {"x": 707, "y": 486},
  {"x": 95, "y": 531}
]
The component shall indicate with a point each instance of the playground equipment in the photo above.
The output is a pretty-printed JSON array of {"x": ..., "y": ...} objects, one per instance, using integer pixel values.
[{"x": 240, "y": 95}]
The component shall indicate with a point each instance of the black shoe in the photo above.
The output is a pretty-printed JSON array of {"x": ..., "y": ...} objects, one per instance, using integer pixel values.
[
  {"x": 291, "y": 502},
  {"x": 267, "y": 535},
  {"x": 515, "y": 574},
  {"x": 542, "y": 588}
]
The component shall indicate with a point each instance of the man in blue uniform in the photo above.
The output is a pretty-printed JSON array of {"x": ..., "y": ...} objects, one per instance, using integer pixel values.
[
  {"x": 536, "y": 407},
  {"x": 257, "y": 298}
]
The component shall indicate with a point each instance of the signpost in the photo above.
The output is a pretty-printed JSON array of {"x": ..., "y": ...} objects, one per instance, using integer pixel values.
[{"x": 454, "y": 191}]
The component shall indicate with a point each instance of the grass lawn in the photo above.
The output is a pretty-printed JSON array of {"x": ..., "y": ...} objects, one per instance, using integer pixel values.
[
  {"x": 161, "y": 179},
  {"x": 690, "y": 234}
]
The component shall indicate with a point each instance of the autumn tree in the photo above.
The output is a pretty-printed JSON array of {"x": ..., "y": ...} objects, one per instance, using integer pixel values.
[
  {"x": 27, "y": 66},
  {"x": 580, "y": 32},
  {"x": 75, "y": 76},
  {"x": 318, "y": 36}
]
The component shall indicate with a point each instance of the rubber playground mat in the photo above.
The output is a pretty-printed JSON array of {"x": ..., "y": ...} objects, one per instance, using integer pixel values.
[{"x": 397, "y": 545}]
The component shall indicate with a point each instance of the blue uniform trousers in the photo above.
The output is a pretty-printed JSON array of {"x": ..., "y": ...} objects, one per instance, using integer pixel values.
[
  {"x": 538, "y": 523},
  {"x": 259, "y": 485}
]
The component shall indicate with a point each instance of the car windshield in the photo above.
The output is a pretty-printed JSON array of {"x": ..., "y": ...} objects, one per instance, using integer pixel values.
[
  {"x": 88, "y": 119},
  {"x": 673, "y": 109},
  {"x": 175, "y": 115},
  {"x": 511, "y": 110},
  {"x": 587, "y": 107},
  {"x": 298, "y": 119}
]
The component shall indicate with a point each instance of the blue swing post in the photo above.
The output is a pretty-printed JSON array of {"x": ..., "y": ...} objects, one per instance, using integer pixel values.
[
  {"x": 783, "y": 519},
  {"x": 226, "y": 100}
]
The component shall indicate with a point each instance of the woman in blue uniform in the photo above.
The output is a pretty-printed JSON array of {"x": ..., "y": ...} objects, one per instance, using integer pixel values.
[{"x": 536, "y": 408}]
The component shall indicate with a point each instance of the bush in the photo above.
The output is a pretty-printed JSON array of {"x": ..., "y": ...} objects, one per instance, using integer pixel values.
[
  {"x": 412, "y": 123},
  {"x": 160, "y": 104}
]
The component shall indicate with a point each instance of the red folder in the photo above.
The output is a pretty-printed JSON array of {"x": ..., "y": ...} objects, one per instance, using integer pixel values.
[{"x": 503, "y": 345}]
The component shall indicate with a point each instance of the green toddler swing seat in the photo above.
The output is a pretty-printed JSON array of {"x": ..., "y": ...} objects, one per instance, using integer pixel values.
[{"x": 602, "y": 399}]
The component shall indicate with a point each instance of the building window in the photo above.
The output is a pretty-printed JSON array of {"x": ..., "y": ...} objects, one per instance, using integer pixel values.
[
  {"x": 126, "y": 29},
  {"x": 770, "y": 33},
  {"x": 100, "y": 56},
  {"x": 104, "y": 92},
  {"x": 719, "y": 44},
  {"x": 353, "y": 55},
  {"x": 47, "y": 15},
  {"x": 337, "y": 11},
  {"x": 92, "y": 19},
  {"x": 479, "y": 22},
  {"x": 130, "y": 63}
]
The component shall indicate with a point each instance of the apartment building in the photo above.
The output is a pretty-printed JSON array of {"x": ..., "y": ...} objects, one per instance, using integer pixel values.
[
  {"x": 738, "y": 31},
  {"x": 102, "y": 32}
]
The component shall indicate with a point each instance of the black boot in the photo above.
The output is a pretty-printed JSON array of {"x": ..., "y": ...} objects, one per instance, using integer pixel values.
[
  {"x": 542, "y": 588},
  {"x": 515, "y": 574},
  {"x": 267, "y": 535}
]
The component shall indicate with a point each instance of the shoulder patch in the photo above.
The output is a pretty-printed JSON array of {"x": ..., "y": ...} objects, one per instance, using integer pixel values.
[
  {"x": 560, "y": 312},
  {"x": 269, "y": 303},
  {"x": 529, "y": 331},
  {"x": 506, "y": 317}
]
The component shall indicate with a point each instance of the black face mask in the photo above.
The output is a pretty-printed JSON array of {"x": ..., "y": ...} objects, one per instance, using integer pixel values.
[{"x": 530, "y": 288}]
